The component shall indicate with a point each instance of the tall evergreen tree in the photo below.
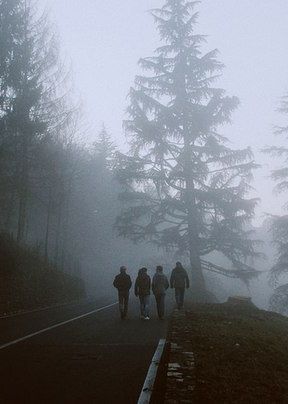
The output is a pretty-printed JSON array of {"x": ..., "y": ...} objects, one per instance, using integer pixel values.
[
  {"x": 32, "y": 107},
  {"x": 104, "y": 148},
  {"x": 11, "y": 30},
  {"x": 185, "y": 188},
  {"x": 279, "y": 224}
]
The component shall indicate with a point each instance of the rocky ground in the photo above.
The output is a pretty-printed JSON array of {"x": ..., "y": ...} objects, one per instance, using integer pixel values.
[{"x": 227, "y": 353}]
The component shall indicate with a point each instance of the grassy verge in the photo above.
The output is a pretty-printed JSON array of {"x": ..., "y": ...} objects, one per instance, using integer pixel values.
[{"x": 240, "y": 353}]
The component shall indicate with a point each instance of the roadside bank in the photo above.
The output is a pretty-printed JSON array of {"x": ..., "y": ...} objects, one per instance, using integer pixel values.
[{"x": 227, "y": 353}]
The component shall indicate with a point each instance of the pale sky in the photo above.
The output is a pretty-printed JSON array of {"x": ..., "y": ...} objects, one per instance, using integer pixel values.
[{"x": 105, "y": 38}]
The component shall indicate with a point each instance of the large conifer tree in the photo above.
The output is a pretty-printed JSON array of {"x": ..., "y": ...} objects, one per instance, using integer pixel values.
[
  {"x": 32, "y": 104},
  {"x": 185, "y": 188},
  {"x": 279, "y": 224}
]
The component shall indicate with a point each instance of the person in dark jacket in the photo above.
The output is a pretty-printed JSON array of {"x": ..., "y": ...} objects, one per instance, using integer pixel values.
[
  {"x": 179, "y": 281},
  {"x": 159, "y": 286},
  {"x": 142, "y": 290},
  {"x": 123, "y": 283}
]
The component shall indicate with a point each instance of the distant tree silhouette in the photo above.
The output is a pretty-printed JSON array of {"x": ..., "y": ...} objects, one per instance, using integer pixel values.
[
  {"x": 279, "y": 224},
  {"x": 32, "y": 107}
]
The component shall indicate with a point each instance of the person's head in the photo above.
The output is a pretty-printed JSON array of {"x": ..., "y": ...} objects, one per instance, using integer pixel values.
[
  {"x": 143, "y": 270},
  {"x": 159, "y": 269},
  {"x": 178, "y": 264},
  {"x": 123, "y": 269}
]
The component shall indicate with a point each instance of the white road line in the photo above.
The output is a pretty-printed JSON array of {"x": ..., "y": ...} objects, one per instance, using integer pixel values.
[
  {"x": 16, "y": 341},
  {"x": 148, "y": 385},
  {"x": 23, "y": 313}
]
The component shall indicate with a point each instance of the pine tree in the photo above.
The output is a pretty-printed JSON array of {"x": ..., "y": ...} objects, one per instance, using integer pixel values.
[
  {"x": 104, "y": 148},
  {"x": 185, "y": 188},
  {"x": 279, "y": 224},
  {"x": 11, "y": 30},
  {"x": 32, "y": 107}
]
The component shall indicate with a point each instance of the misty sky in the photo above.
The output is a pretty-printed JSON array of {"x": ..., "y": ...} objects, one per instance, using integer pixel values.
[{"x": 105, "y": 39}]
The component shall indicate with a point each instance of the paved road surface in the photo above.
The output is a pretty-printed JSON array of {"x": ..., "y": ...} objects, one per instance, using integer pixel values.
[{"x": 96, "y": 359}]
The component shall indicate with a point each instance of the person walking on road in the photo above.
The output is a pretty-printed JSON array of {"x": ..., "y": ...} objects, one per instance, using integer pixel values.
[
  {"x": 159, "y": 286},
  {"x": 142, "y": 290},
  {"x": 123, "y": 283},
  {"x": 179, "y": 281}
]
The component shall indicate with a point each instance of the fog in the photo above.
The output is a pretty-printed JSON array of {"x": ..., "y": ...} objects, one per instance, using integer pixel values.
[
  {"x": 251, "y": 37},
  {"x": 104, "y": 41},
  {"x": 70, "y": 208}
]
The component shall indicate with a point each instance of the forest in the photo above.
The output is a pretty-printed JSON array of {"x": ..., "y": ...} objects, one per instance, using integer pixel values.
[{"x": 177, "y": 190}]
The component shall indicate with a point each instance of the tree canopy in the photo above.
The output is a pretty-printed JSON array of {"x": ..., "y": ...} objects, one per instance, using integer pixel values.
[{"x": 186, "y": 189}]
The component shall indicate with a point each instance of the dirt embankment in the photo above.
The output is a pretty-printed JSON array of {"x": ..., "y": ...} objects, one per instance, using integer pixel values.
[
  {"x": 223, "y": 353},
  {"x": 28, "y": 282}
]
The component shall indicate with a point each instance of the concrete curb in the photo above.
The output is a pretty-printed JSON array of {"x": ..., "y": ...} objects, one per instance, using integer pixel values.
[{"x": 147, "y": 389}]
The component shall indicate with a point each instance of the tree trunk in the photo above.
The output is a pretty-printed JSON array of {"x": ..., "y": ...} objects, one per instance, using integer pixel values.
[
  {"x": 48, "y": 223},
  {"x": 24, "y": 130},
  {"x": 198, "y": 287},
  {"x": 22, "y": 207},
  {"x": 66, "y": 228},
  {"x": 9, "y": 214},
  {"x": 57, "y": 242}
]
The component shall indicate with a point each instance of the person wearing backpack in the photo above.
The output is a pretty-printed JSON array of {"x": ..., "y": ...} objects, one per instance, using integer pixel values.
[
  {"x": 122, "y": 283},
  {"x": 142, "y": 290},
  {"x": 179, "y": 281},
  {"x": 159, "y": 286}
]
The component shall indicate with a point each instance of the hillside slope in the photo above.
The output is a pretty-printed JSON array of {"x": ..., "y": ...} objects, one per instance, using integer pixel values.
[{"x": 27, "y": 281}]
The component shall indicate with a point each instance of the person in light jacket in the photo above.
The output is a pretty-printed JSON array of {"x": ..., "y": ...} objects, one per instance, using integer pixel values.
[
  {"x": 159, "y": 286},
  {"x": 142, "y": 290}
]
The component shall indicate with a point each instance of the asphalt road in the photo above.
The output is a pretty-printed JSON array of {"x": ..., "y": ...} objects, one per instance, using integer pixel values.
[{"x": 95, "y": 359}]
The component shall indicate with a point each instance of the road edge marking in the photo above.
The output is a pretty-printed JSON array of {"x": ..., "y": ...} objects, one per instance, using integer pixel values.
[
  {"x": 147, "y": 389},
  {"x": 52, "y": 327},
  {"x": 45, "y": 308}
]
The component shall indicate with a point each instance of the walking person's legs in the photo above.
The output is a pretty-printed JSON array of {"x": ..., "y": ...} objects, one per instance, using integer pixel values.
[
  {"x": 181, "y": 297},
  {"x": 142, "y": 306},
  {"x": 125, "y": 303},
  {"x": 146, "y": 306},
  {"x": 121, "y": 303},
  {"x": 161, "y": 305},
  {"x": 178, "y": 297},
  {"x": 158, "y": 300}
]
